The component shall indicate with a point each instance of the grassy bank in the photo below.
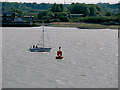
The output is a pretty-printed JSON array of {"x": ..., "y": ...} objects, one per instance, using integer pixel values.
[{"x": 83, "y": 25}]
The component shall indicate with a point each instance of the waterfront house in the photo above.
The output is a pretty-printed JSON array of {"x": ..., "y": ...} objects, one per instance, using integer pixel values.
[
  {"x": 19, "y": 19},
  {"x": 76, "y": 15},
  {"x": 8, "y": 16},
  {"x": 28, "y": 18},
  {"x": 9, "y": 20}
]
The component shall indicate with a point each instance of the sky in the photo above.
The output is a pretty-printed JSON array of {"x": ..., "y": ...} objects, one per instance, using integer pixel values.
[{"x": 66, "y": 1}]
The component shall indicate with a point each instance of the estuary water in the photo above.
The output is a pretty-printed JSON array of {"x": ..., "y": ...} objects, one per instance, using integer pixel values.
[{"x": 90, "y": 58}]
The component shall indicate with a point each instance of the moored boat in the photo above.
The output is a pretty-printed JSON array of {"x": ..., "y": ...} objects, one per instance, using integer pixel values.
[{"x": 37, "y": 48}]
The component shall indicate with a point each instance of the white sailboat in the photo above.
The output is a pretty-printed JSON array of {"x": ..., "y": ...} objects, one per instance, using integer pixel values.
[{"x": 42, "y": 48}]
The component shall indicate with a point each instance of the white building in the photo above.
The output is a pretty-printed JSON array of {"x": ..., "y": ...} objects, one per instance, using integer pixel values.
[{"x": 19, "y": 19}]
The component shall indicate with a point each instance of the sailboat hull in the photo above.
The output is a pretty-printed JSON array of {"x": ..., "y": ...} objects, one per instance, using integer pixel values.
[{"x": 40, "y": 49}]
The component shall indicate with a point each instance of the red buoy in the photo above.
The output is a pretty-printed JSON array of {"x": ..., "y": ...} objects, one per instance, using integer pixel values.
[{"x": 59, "y": 54}]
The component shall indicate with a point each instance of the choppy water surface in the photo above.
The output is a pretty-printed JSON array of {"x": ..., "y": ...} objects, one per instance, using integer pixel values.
[{"x": 90, "y": 58}]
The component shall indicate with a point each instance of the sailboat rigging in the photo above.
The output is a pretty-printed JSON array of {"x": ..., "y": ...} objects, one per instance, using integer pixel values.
[{"x": 42, "y": 48}]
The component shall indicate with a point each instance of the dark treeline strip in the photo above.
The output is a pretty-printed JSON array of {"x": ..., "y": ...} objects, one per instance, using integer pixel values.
[
  {"x": 45, "y": 6},
  {"x": 109, "y": 7},
  {"x": 99, "y": 19},
  {"x": 91, "y": 13}
]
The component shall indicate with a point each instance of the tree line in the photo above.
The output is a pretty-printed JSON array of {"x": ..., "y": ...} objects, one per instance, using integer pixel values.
[{"x": 92, "y": 13}]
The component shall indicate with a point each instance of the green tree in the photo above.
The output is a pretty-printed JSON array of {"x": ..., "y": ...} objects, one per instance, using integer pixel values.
[
  {"x": 50, "y": 14},
  {"x": 93, "y": 11},
  {"x": 87, "y": 11},
  {"x": 18, "y": 11},
  {"x": 53, "y": 8},
  {"x": 62, "y": 7},
  {"x": 42, "y": 14},
  {"x": 108, "y": 14},
  {"x": 57, "y": 8}
]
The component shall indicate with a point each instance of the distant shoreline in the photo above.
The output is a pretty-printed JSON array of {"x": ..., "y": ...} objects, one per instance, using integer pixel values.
[
  {"x": 83, "y": 25},
  {"x": 70, "y": 24}
]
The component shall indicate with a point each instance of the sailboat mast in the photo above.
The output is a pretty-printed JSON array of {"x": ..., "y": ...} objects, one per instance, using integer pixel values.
[{"x": 43, "y": 33}]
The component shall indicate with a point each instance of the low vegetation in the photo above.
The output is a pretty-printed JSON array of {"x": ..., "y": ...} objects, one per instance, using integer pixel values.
[{"x": 101, "y": 13}]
